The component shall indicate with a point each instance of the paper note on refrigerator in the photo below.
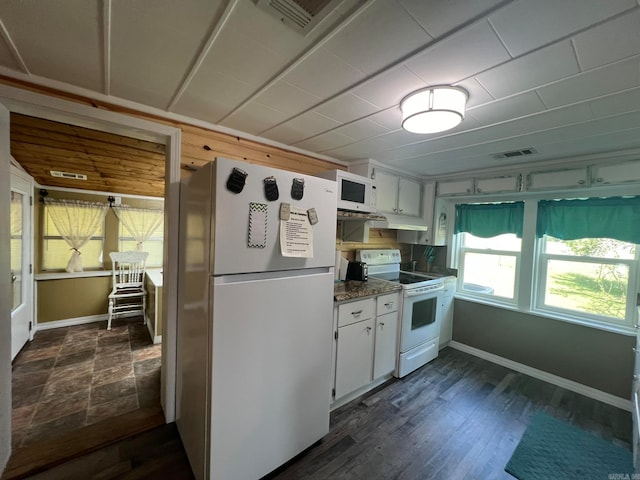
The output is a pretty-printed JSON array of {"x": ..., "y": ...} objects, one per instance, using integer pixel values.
[{"x": 296, "y": 234}]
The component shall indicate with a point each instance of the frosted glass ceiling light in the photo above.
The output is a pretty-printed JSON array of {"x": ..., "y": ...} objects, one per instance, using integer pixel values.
[{"x": 433, "y": 109}]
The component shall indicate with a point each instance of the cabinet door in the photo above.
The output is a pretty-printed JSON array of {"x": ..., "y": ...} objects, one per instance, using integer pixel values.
[
  {"x": 387, "y": 192},
  {"x": 620, "y": 173},
  {"x": 386, "y": 346},
  {"x": 498, "y": 184},
  {"x": 557, "y": 179},
  {"x": 355, "y": 356},
  {"x": 409, "y": 197},
  {"x": 456, "y": 187},
  {"x": 446, "y": 319}
]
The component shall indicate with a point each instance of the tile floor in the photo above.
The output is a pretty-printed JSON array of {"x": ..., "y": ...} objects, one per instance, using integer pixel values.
[{"x": 71, "y": 377}]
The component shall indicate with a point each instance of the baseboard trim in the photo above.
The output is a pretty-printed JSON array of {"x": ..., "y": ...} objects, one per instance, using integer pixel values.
[
  {"x": 545, "y": 376},
  {"x": 70, "y": 322}
]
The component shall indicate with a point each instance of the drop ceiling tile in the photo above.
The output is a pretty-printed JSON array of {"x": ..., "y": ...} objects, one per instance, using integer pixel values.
[
  {"x": 362, "y": 129},
  {"x": 346, "y": 108},
  {"x": 391, "y": 118},
  {"x": 254, "y": 118},
  {"x": 477, "y": 93},
  {"x": 323, "y": 74},
  {"x": 325, "y": 141},
  {"x": 377, "y": 37},
  {"x": 60, "y": 40},
  {"x": 507, "y": 109},
  {"x": 538, "y": 68},
  {"x": 211, "y": 96},
  {"x": 611, "y": 41},
  {"x": 147, "y": 51},
  {"x": 389, "y": 88},
  {"x": 287, "y": 98},
  {"x": 593, "y": 84},
  {"x": 296, "y": 130},
  {"x": 244, "y": 58},
  {"x": 616, "y": 104},
  {"x": 460, "y": 56},
  {"x": 526, "y": 25},
  {"x": 438, "y": 17}
]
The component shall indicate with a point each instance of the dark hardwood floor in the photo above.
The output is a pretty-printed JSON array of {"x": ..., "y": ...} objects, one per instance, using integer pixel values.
[{"x": 459, "y": 417}]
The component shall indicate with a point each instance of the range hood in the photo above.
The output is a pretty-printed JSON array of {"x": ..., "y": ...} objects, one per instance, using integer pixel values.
[{"x": 401, "y": 222}]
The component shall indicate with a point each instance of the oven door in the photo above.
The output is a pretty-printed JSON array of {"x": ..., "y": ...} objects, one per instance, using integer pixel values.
[{"x": 420, "y": 317}]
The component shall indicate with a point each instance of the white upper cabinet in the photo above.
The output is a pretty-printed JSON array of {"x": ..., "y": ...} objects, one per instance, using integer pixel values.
[
  {"x": 396, "y": 194},
  {"x": 455, "y": 187},
  {"x": 498, "y": 184},
  {"x": 572, "y": 178},
  {"x": 408, "y": 197},
  {"x": 626, "y": 172},
  {"x": 387, "y": 191}
]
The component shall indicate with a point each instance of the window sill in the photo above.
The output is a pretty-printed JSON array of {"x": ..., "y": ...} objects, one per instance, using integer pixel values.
[
  {"x": 619, "y": 329},
  {"x": 65, "y": 275}
]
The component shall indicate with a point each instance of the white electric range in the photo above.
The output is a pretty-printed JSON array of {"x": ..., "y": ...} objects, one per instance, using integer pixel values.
[{"x": 420, "y": 315}]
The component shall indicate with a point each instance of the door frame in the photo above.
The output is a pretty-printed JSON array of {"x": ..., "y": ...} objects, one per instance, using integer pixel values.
[
  {"x": 60, "y": 110},
  {"x": 22, "y": 175}
]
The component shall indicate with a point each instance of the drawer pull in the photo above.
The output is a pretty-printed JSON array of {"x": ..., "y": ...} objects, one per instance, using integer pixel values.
[
  {"x": 388, "y": 304},
  {"x": 356, "y": 313}
]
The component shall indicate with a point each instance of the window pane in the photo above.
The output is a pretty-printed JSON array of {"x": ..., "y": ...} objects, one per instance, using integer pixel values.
[
  {"x": 508, "y": 242},
  {"x": 595, "y": 288},
  {"x": 489, "y": 274},
  {"x": 153, "y": 247},
  {"x": 56, "y": 254},
  {"x": 591, "y": 247}
]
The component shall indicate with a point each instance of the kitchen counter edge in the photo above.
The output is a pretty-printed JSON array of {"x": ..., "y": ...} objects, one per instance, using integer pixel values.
[{"x": 352, "y": 289}]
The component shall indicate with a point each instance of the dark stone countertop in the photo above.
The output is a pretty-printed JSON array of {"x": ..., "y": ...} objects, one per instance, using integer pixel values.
[{"x": 352, "y": 289}]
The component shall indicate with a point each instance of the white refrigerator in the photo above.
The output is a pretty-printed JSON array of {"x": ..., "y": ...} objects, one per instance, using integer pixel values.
[{"x": 255, "y": 317}]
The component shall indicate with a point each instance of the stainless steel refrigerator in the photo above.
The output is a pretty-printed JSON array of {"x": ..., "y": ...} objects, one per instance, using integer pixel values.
[{"x": 255, "y": 317}]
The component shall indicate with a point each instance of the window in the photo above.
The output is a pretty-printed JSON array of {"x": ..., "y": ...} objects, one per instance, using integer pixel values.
[
  {"x": 588, "y": 277},
  {"x": 489, "y": 248},
  {"x": 56, "y": 250},
  {"x": 489, "y": 266},
  {"x": 576, "y": 260},
  {"x": 141, "y": 229},
  {"x": 153, "y": 245},
  {"x": 588, "y": 257}
]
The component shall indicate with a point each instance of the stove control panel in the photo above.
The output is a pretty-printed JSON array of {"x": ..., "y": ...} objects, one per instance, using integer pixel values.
[{"x": 378, "y": 257}]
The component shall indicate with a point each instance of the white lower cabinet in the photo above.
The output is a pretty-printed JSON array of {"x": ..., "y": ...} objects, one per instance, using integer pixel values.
[
  {"x": 446, "y": 309},
  {"x": 386, "y": 346},
  {"x": 355, "y": 355},
  {"x": 366, "y": 338}
]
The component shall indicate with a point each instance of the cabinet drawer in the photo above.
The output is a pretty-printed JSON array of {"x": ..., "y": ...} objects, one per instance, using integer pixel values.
[
  {"x": 387, "y": 303},
  {"x": 352, "y": 312}
]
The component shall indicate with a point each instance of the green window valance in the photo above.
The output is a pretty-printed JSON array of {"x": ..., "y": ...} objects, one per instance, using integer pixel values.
[
  {"x": 490, "y": 219},
  {"x": 613, "y": 217}
]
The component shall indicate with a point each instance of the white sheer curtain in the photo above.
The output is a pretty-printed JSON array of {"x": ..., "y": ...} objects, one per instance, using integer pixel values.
[
  {"x": 76, "y": 222},
  {"x": 141, "y": 223}
]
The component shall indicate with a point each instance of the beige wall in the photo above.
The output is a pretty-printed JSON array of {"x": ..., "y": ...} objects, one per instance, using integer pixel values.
[{"x": 592, "y": 357}]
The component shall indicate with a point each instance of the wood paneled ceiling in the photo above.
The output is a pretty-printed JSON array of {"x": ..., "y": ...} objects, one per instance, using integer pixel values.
[{"x": 112, "y": 163}]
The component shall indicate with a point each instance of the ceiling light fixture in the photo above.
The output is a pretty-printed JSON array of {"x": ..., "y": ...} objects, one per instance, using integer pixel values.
[{"x": 433, "y": 109}]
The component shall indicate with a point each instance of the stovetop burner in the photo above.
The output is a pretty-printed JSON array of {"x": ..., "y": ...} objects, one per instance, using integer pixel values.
[{"x": 385, "y": 264}]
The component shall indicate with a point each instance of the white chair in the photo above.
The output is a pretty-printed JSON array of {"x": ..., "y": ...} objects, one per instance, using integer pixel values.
[{"x": 128, "y": 295}]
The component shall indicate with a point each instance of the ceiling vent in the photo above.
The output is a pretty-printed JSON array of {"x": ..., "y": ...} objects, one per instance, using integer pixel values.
[
  {"x": 302, "y": 15},
  {"x": 515, "y": 153},
  {"x": 74, "y": 176}
]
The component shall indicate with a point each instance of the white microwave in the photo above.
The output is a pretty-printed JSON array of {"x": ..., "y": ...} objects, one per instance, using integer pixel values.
[{"x": 355, "y": 192}]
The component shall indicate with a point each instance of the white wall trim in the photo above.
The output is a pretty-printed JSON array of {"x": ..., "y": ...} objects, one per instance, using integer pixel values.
[
  {"x": 70, "y": 322},
  {"x": 546, "y": 376}
]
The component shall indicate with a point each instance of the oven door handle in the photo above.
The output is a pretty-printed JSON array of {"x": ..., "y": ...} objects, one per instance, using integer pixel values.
[{"x": 417, "y": 292}]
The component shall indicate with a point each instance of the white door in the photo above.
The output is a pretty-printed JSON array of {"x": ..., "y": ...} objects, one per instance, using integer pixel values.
[{"x": 21, "y": 267}]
